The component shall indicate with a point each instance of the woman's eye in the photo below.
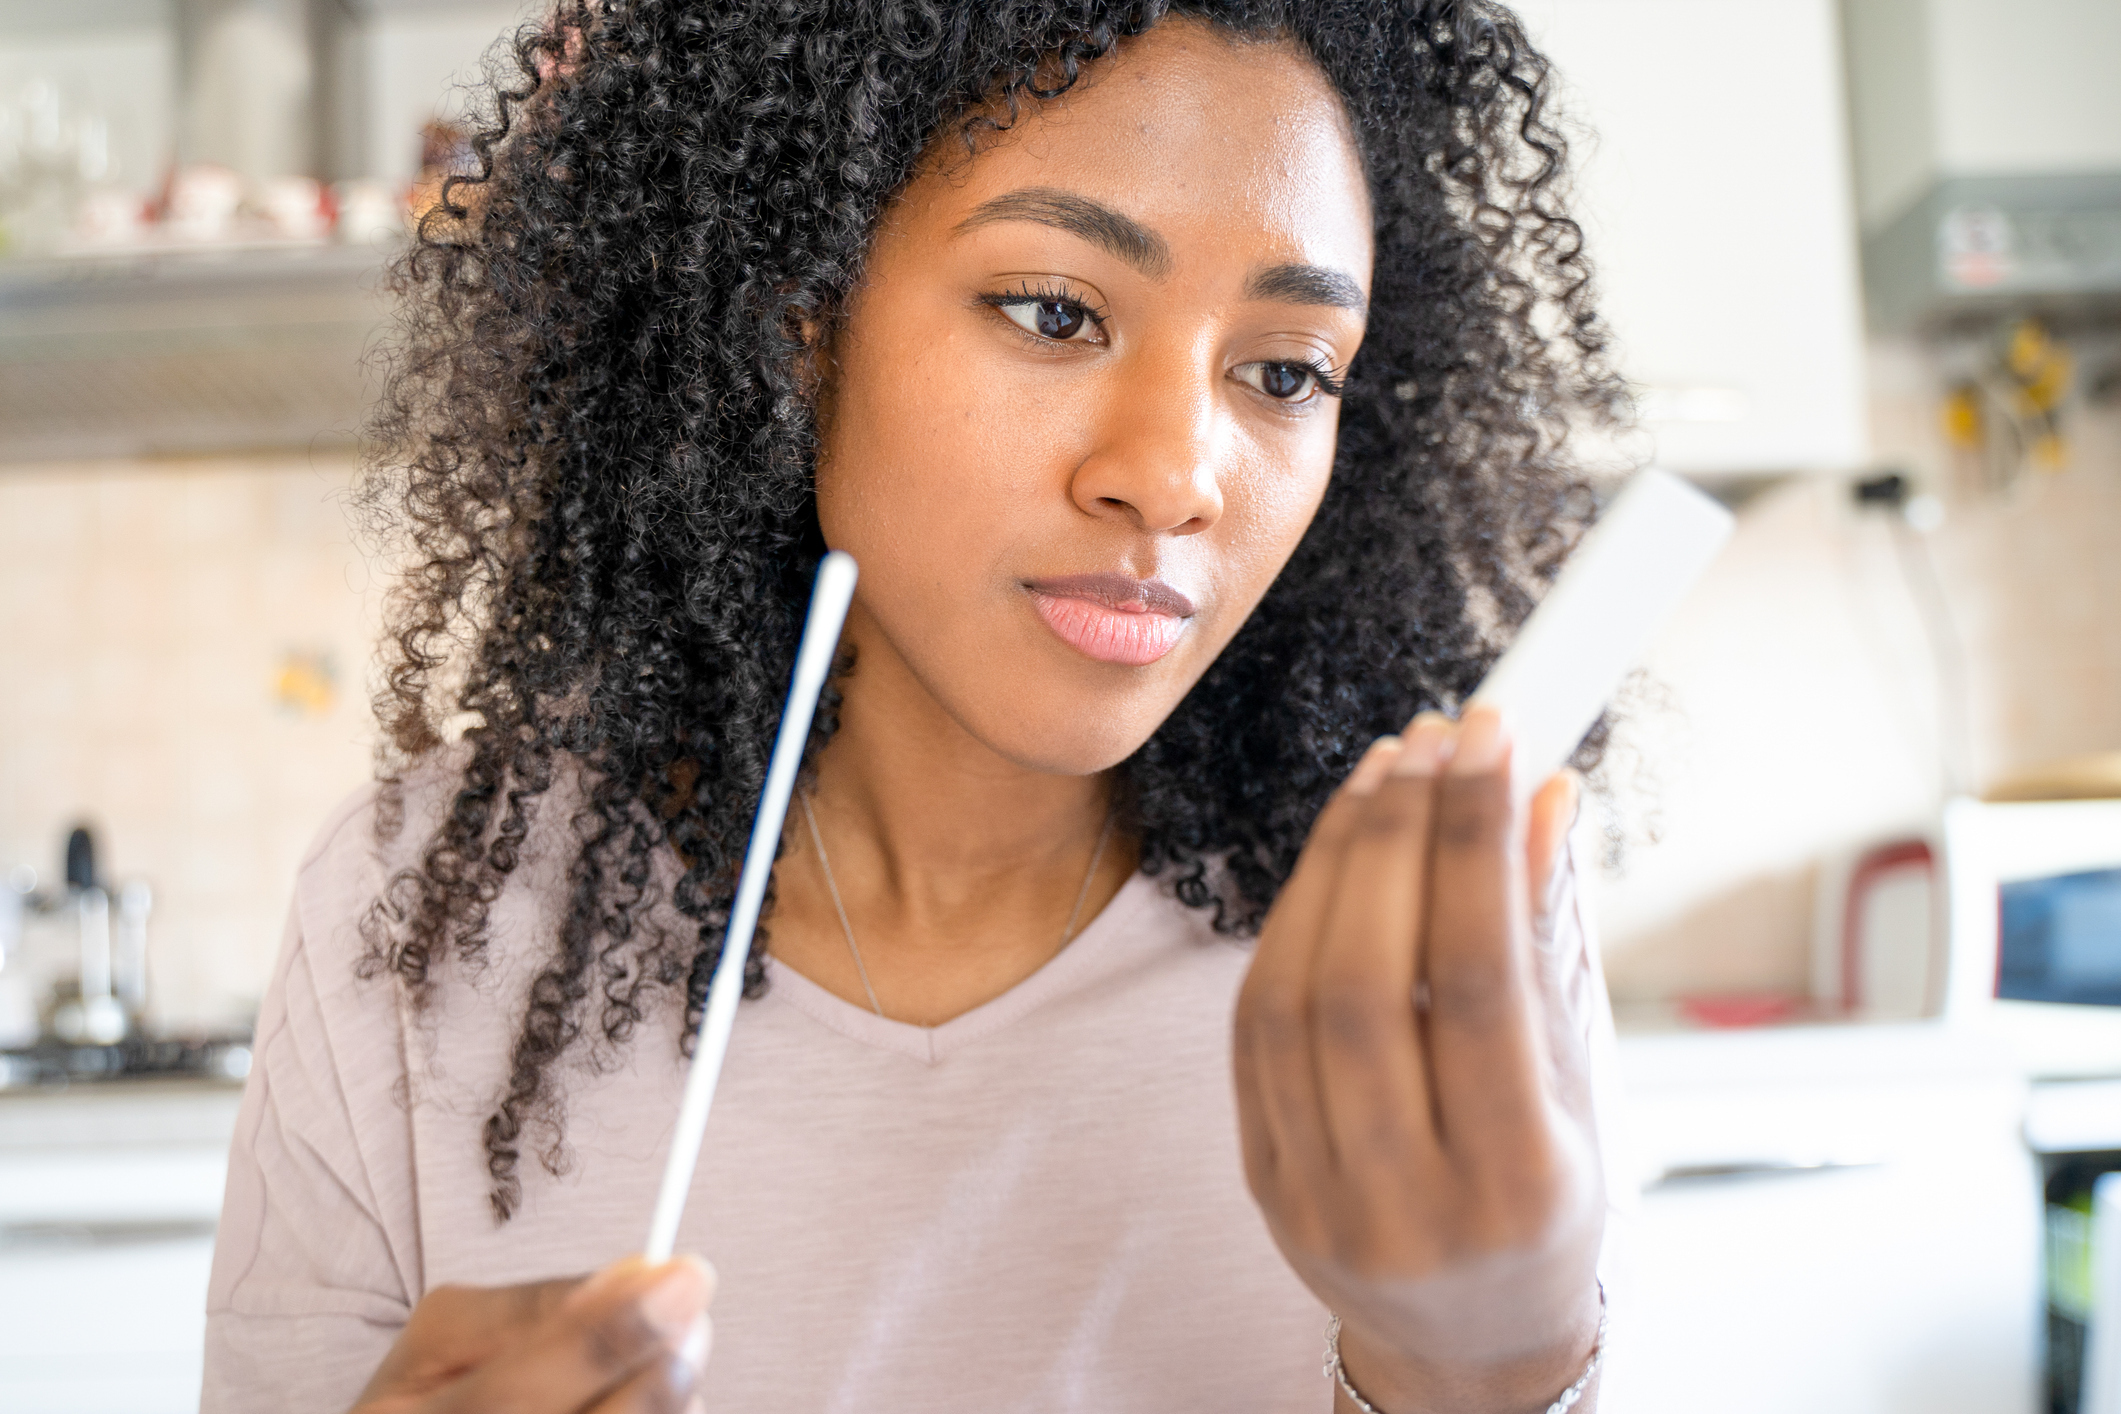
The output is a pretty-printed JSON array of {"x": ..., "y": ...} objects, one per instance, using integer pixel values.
[
  {"x": 1059, "y": 320},
  {"x": 1284, "y": 382}
]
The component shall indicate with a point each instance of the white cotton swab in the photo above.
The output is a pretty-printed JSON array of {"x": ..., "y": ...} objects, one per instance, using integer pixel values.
[
  {"x": 829, "y": 599},
  {"x": 1620, "y": 584}
]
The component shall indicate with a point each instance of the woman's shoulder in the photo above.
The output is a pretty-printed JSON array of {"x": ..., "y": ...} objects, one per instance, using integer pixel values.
[
  {"x": 377, "y": 829},
  {"x": 362, "y": 882}
]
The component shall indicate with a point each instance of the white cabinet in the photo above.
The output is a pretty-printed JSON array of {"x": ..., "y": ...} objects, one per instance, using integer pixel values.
[
  {"x": 1891, "y": 1267},
  {"x": 1716, "y": 197},
  {"x": 109, "y": 1324},
  {"x": 108, "y": 1200}
]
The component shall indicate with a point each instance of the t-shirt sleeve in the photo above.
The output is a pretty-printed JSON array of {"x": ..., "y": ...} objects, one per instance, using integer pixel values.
[{"x": 316, "y": 1265}]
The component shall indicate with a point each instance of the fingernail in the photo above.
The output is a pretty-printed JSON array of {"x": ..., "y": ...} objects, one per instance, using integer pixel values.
[
  {"x": 677, "y": 1298},
  {"x": 1483, "y": 741},
  {"x": 1369, "y": 773},
  {"x": 1428, "y": 744},
  {"x": 698, "y": 1341}
]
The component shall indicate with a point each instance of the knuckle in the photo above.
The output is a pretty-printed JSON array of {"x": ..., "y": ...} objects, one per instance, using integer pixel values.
[
  {"x": 618, "y": 1339},
  {"x": 1473, "y": 992},
  {"x": 1382, "y": 1143},
  {"x": 1276, "y": 1021},
  {"x": 1474, "y": 812},
  {"x": 1384, "y": 818},
  {"x": 450, "y": 1297},
  {"x": 1400, "y": 807},
  {"x": 441, "y": 1308},
  {"x": 1348, "y": 1013}
]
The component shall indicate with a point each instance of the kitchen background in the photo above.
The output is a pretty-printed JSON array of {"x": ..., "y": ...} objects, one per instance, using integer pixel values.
[{"x": 195, "y": 199}]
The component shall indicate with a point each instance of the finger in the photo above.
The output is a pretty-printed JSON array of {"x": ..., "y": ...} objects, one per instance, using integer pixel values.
[
  {"x": 1278, "y": 1105},
  {"x": 1484, "y": 1051},
  {"x": 1365, "y": 1038},
  {"x": 457, "y": 1328},
  {"x": 1305, "y": 898},
  {"x": 600, "y": 1336},
  {"x": 664, "y": 1386},
  {"x": 1549, "y": 818},
  {"x": 1561, "y": 956}
]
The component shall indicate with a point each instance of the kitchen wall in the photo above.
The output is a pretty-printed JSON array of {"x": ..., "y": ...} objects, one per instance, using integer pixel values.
[
  {"x": 183, "y": 647},
  {"x": 1794, "y": 705}
]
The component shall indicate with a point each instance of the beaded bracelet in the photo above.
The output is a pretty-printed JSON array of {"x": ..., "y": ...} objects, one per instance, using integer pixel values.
[{"x": 1567, "y": 1399}]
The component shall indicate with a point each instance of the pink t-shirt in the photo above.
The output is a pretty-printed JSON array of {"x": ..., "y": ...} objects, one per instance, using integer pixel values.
[{"x": 1039, "y": 1205}]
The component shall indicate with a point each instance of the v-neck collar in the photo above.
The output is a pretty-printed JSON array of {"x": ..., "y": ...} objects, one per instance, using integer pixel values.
[{"x": 1056, "y": 976}]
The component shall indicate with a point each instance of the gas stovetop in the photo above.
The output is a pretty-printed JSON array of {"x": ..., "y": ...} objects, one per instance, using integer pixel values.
[{"x": 54, "y": 1063}]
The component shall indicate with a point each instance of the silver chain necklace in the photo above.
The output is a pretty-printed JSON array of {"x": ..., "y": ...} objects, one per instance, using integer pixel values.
[{"x": 1082, "y": 895}]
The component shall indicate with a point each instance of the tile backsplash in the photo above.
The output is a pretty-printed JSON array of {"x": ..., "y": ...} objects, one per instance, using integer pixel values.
[{"x": 184, "y": 654}]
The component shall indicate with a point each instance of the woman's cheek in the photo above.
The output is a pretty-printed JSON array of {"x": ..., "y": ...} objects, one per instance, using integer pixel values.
[{"x": 1269, "y": 502}]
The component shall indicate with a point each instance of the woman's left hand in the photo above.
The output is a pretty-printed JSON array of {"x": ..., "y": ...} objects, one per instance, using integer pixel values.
[{"x": 1414, "y": 1097}]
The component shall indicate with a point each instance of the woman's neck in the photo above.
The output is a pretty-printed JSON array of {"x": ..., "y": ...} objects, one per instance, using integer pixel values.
[{"x": 958, "y": 869}]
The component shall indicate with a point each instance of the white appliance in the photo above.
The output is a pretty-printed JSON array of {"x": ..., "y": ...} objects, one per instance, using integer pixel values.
[
  {"x": 1879, "y": 942},
  {"x": 1988, "y": 158},
  {"x": 2003, "y": 915},
  {"x": 2033, "y": 928}
]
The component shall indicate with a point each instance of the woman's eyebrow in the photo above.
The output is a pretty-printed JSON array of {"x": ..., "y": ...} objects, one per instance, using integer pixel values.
[
  {"x": 1307, "y": 284},
  {"x": 1121, "y": 235},
  {"x": 1114, "y": 232}
]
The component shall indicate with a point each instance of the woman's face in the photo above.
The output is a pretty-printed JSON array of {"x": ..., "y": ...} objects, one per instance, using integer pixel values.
[{"x": 1079, "y": 415}]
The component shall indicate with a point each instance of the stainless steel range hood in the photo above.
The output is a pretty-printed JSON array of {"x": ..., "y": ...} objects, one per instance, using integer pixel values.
[
  {"x": 176, "y": 348},
  {"x": 1988, "y": 159},
  {"x": 185, "y": 351}
]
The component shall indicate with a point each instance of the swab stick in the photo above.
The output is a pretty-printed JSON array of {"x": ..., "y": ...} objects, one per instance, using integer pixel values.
[
  {"x": 1619, "y": 586},
  {"x": 829, "y": 599}
]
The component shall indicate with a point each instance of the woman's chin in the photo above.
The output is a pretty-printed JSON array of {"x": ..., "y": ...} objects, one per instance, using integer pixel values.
[{"x": 1065, "y": 734}]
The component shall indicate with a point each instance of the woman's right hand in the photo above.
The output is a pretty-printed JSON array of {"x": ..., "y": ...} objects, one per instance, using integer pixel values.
[{"x": 631, "y": 1339}]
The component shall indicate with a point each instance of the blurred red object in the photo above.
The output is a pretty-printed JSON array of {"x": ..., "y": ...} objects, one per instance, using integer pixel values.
[{"x": 1732, "y": 1012}]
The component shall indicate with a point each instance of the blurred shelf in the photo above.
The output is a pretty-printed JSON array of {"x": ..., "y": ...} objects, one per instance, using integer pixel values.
[{"x": 175, "y": 352}]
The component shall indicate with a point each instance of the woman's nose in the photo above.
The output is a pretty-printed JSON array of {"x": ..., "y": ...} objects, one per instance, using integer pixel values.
[{"x": 1154, "y": 461}]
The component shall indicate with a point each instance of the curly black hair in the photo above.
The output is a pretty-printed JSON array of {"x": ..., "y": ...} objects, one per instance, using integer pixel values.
[{"x": 595, "y": 447}]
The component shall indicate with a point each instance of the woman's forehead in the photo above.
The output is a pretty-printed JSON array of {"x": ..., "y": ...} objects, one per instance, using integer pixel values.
[{"x": 1202, "y": 140}]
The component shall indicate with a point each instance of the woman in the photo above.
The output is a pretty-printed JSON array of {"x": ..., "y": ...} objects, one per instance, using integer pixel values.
[{"x": 1050, "y": 316}]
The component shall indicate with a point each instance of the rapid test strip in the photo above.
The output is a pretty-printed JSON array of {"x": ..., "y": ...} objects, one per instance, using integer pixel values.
[
  {"x": 829, "y": 601},
  {"x": 1618, "y": 587}
]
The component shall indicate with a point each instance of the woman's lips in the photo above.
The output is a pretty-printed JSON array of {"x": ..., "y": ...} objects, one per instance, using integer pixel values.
[{"x": 1113, "y": 618}]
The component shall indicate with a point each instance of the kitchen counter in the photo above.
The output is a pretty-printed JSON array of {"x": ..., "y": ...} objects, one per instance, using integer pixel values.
[
  {"x": 1838, "y": 1218},
  {"x": 119, "y": 1113}
]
